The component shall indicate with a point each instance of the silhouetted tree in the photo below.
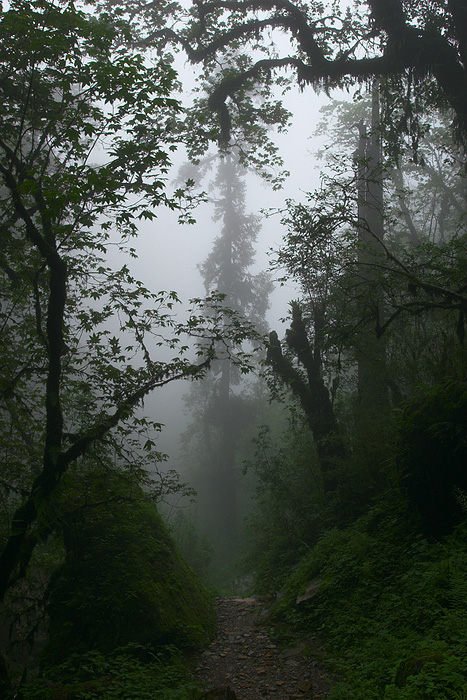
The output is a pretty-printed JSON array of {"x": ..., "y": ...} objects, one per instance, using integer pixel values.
[
  {"x": 225, "y": 413},
  {"x": 307, "y": 383},
  {"x": 420, "y": 48}
]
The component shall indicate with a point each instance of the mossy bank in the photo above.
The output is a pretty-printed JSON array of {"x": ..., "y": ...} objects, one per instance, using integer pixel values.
[
  {"x": 389, "y": 604},
  {"x": 123, "y": 581}
]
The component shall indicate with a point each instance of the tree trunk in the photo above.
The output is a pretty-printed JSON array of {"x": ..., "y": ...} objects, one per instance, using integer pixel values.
[
  {"x": 312, "y": 394},
  {"x": 370, "y": 348}
]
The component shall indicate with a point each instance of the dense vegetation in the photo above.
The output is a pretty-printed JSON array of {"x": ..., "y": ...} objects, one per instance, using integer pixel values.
[
  {"x": 389, "y": 604},
  {"x": 347, "y": 454}
]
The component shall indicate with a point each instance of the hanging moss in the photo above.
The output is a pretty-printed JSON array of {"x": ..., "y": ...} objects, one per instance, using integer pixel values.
[{"x": 123, "y": 581}]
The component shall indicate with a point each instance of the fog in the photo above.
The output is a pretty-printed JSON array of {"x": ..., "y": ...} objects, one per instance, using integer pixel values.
[
  {"x": 169, "y": 253},
  {"x": 309, "y": 486}
]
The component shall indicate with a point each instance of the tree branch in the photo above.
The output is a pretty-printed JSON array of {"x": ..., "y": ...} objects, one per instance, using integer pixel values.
[
  {"x": 404, "y": 46},
  {"x": 19, "y": 547}
]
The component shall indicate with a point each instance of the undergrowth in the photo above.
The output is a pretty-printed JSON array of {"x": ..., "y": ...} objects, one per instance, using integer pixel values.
[
  {"x": 391, "y": 606},
  {"x": 132, "y": 673}
]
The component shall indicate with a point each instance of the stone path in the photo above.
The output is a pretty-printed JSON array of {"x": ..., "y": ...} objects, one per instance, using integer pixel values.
[{"x": 244, "y": 663}]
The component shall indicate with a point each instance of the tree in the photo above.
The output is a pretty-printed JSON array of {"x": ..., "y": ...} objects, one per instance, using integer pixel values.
[
  {"x": 369, "y": 346},
  {"x": 222, "y": 413},
  {"x": 308, "y": 386},
  {"x": 376, "y": 289},
  {"x": 337, "y": 253},
  {"x": 421, "y": 46},
  {"x": 86, "y": 137}
]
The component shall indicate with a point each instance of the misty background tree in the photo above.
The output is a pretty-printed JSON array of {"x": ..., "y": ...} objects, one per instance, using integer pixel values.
[{"x": 221, "y": 407}]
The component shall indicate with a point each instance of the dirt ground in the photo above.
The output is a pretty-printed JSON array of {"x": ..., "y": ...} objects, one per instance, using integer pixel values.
[{"x": 244, "y": 663}]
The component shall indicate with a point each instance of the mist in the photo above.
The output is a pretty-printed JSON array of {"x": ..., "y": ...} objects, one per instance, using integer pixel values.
[
  {"x": 233, "y": 423},
  {"x": 169, "y": 253}
]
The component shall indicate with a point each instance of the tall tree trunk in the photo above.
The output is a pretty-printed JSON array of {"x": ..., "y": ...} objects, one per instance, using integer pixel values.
[
  {"x": 228, "y": 435},
  {"x": 370, "y": 348},
  {"x": 229, "y": 439}
]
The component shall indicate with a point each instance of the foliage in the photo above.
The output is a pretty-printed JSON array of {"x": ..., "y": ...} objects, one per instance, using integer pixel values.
[
  {"x": 431, "y": 674},
  {"x": 389, "y": 298},
  {"x": 23, "y": 614},
  {"x": 385, "y": 593},
  {"x": 418, "y": 47},
  {"x": 194, "y": 545},
  {"x": 291, "y": 511},
  {"x": 288, "y": 503},
  {"x": 433, "y": 453},
  {"x": 321, "y": 252},
  {"x": 84, "y": 154},
  {"x": 123, "y": 580},
  {"x": 133, "y": 672}
]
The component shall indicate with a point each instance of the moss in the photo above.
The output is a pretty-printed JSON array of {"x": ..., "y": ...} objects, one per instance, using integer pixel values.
[{"x": 124, "y": 581}]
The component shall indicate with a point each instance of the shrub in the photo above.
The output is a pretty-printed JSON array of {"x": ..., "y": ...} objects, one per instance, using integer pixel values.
[
  {"x": 132, "y": 673},
  {"x": 385, "y": 593}
]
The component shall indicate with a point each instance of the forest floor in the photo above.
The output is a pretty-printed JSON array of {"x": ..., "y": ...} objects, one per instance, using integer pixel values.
[{"x": 244, "y": 663}]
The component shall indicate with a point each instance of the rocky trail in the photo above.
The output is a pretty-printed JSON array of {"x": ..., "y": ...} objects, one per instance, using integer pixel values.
[{"x": 244, "y": 663}]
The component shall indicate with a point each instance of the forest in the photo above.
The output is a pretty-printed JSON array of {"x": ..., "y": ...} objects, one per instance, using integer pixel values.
[{"x": 307, "y": 537}]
